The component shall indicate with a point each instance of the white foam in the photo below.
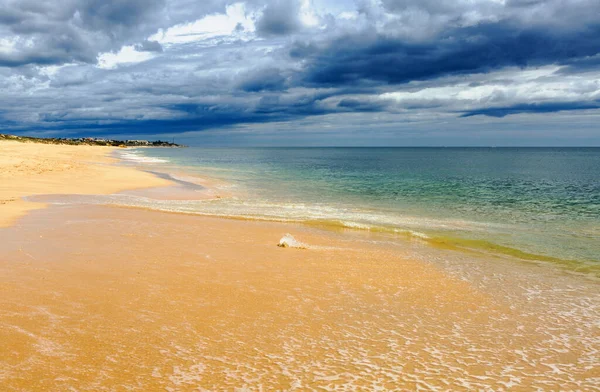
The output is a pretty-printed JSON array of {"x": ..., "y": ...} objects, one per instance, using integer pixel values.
[
  {"x": 419, "y": 235},
  {"x": 288, "y": 241},
  {"x": 356, "y": 225},
  {"x": 135, "y": 156}
]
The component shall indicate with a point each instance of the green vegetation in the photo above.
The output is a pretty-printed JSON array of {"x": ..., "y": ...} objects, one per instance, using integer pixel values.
[{"x": 90, "y": 141}]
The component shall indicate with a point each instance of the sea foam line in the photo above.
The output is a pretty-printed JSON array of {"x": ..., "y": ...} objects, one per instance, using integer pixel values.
[{"x": 134, "y": 156}]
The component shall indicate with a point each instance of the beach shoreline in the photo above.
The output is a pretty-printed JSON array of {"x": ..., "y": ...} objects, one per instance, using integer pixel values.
[
  {"x": 97, "y": 297},
  {"x": 28, "y": 169}
]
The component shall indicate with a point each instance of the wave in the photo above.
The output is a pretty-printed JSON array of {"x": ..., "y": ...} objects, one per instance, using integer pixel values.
[
  {"x": 442, "y": 234},
  {"x": 135, "y": 156},
  {"x": 516, "y": 238},
  {"x": 310, "y": 214}
]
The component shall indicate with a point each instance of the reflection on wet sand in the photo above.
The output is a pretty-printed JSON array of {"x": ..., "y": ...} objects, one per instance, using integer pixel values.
[{"x": 99, "y": 298}]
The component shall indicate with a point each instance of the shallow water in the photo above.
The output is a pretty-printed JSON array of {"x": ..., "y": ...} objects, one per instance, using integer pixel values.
[
  {"x": 533, "y": 203},
  {"x": 141, "y": 300}
]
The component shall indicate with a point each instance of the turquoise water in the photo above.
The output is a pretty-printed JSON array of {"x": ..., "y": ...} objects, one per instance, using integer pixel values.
[{"x": 537, "y": 203}]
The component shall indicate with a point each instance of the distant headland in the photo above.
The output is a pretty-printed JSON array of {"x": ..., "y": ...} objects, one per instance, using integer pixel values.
[{"x": 91, "y": 141}]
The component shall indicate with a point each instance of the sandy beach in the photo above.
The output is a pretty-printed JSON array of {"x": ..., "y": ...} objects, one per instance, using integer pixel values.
[
  {"x": 31, "y": 168},
  {"x": 101, "y": 298}
]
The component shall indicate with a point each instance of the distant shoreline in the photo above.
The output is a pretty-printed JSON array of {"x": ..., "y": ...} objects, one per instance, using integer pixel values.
[{"x": 88, "y": 141}]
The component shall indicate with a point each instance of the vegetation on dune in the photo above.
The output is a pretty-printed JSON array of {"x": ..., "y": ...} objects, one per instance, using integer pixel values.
[{"x": 90, "y": 141}]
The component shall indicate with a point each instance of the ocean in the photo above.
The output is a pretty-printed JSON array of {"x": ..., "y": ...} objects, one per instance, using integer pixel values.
[{"x": 539, "y": 204}]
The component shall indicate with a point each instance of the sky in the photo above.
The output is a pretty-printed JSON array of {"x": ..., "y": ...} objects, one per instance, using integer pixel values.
[{"x": 304, "y": 72}]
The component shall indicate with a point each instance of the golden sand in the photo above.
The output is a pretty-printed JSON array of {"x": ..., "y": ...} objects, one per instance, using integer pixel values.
[
  {"x": 31, "y": 168},
  {"x": 96, "y": 298}
]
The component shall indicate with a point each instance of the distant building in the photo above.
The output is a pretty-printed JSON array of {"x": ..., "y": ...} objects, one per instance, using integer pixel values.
[{"x": 138, "y": 142}]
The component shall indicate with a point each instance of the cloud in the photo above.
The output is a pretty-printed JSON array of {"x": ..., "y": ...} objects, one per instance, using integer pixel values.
[
  {"x": 549, "y": 107},
  {"x": 280, "y": 17},
  {"x": 67, "y": 31},
  {"x": 171, "y": 66},
  {"x": 375, "y": 57},
  {"x": 149, "y": 46},
  {"x": 358, "y": 105},
  {"x": 268, "y": 79}
]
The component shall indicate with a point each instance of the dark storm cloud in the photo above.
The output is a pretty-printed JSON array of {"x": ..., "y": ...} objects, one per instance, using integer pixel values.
[
  {"x": 533, "y": 11},
  {"x": 192, "y": 117},
  {"x": 280, "y": 17},
  {"x": 65, "y": 31},
  {"x": 584, "y": 64},
  {"x": 549, "y": 107},
  {"x": 356, "y": 105},
  {"x": 353, "y": 59},
  {"x": 193, "y": 113},
  {"x": 437, "y": 59},
  {"x": 268, "y": 79}
]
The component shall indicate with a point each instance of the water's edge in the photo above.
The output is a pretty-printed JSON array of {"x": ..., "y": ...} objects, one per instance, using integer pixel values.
[{"x": 320, "y": 216}]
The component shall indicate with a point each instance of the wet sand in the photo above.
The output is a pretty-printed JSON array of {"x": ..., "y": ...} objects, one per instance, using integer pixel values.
[
  {"x": 104, "y": 298},
  {"x": 98, "y": 298}
]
